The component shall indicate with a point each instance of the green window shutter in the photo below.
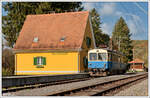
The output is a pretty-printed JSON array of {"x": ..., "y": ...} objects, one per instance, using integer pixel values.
[
  {"x": 44, "y": 60},
  {"x": 35, "y": 60}
]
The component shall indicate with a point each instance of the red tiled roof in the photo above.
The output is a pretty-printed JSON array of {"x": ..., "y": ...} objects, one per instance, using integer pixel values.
[
  {"x": 50, "y": 28},
  {"x": 136, "y": 61}
]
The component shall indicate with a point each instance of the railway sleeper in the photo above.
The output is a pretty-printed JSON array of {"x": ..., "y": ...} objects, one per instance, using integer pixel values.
[
  {"x": 100, "y": 90},
  {"x": 105, "y": 91}
]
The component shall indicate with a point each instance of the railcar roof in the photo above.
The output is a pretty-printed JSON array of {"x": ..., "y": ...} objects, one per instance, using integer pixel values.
[{"x": 108, "y": 50}]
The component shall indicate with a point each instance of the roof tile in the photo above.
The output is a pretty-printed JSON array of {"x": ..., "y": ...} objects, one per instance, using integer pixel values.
[{"x": 50, "y": 28}]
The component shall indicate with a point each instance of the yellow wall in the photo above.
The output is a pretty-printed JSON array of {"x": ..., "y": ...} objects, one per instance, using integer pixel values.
[
  {"x": 84, "y": 52},
  {"x": 63, "y": 62},
  {"x": 56, "y": 62}
]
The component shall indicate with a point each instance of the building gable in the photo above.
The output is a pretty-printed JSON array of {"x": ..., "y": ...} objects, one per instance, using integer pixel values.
[{"x": 60, "y": 31}]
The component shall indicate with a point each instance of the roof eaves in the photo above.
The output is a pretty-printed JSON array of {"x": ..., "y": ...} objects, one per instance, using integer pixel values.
[
  {"x": 84, "y": 30},
  {"x": 45, "y": 50},
  {"x": 92, "y": 30}
]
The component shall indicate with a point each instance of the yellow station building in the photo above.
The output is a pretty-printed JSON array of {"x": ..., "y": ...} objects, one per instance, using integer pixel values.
[{"x": 55, "y": 43}]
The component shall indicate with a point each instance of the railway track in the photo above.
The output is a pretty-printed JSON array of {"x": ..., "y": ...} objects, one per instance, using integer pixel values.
[
  {"x": 98, "y": 86},
  {"x": 102, "y": 89},
  {"x": 14, "y": 89}
]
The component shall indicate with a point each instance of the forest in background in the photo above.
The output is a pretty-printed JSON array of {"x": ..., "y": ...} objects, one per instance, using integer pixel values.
[
  {"x": 17, "y": 13},
  {"x": 141, "y": 50}
]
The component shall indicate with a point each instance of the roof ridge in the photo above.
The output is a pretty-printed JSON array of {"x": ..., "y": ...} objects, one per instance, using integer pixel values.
[
  {"x": 50, "y": 27},
  {"x": 59, "y": 13}
]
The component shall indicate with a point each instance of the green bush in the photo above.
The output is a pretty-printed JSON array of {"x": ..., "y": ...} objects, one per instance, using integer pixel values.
[
  {"x": 8, "y": 62},
  {"x": 7, "y": 71}
]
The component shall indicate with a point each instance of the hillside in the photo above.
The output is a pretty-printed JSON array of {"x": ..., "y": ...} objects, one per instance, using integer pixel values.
[{"x": 141, "y": 50}]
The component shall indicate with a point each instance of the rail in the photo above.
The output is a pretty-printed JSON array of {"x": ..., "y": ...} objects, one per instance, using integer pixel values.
[{"x": 100, "y": 89}]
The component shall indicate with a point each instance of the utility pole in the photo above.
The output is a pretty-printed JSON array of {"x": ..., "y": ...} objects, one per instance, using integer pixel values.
[
  {"x": 119, "y": 43},
  {"x": 133, "y": 56}
]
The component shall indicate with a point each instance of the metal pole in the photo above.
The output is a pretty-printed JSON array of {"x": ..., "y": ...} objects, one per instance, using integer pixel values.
[
  {"x": 133, "y": 56},
  {"x": 119, "y": 42}
]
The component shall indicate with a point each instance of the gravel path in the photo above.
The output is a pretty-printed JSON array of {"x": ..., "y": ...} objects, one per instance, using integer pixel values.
[{"x": 140, "y": 89}]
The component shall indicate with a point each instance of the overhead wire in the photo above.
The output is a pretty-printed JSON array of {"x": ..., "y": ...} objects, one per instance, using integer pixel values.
[
  {"x": 141, "y": 8},
  {"x": 132, "y": 18}
]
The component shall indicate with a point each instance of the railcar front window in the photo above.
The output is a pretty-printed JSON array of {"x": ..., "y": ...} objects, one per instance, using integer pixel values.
[
  {"x": 93, "y": 56},
  {"x": 102, "y": 56}
]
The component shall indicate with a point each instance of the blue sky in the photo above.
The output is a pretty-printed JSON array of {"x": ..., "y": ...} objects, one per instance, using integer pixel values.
[{"x": 134, "y": 13}]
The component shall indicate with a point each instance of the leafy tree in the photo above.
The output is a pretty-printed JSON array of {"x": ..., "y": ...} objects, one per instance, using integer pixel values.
[
  {"x": 105, "y": 39},
  {"x": 8, "y": 62},
  {"x": 100, "y": 38},
  {"x": 121, "y": 39},
  {"x": 17, "y": 12}
]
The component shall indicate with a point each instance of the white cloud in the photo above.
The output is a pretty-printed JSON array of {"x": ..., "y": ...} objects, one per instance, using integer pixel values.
[
  {"x": 118, "y": 13},
  {"x": 88, "y": 6},
  {"x": 107, "y": 9},
  {"x": 132, "y": 26},
  {"x": 110, "y": 10},
  {"x": 135, "y": 17},
  {"x": 106, "y": 28},
  {"x": 134, "y": 23}
]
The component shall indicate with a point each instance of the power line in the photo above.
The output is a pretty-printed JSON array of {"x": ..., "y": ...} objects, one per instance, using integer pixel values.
[
  {"x": 142, "y": 9},
  {"x": 132, "y": 18}
]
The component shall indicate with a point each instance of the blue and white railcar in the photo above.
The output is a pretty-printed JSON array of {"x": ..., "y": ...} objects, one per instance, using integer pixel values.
[
  {"x": 104, "y": 60},
  {"x": 98, "y": 59}
]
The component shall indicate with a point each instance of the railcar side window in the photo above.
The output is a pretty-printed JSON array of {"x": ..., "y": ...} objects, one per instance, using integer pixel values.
[
  {"x": 93, "y": 56},
  {"x": 102, "y": 56}
]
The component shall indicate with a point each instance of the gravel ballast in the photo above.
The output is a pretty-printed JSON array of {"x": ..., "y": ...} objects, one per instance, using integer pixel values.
[
  {"x": 49, "y": 90},
  {"x": 140, "y": 89}
]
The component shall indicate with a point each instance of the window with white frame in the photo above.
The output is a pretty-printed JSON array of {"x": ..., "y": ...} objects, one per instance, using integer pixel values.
[{"x": 39, "y": 60}]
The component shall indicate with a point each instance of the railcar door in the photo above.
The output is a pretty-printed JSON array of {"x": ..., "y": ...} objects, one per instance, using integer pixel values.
[{"x": 103, "y": 60}]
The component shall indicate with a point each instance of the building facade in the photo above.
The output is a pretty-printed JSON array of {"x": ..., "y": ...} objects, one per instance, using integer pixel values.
[
  {"x": 137, "y": 65},
  {"x": 55, "y": 43}
]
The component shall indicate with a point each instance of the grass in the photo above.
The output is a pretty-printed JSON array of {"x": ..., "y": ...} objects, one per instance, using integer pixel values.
[{"x": 7, "y": 71}]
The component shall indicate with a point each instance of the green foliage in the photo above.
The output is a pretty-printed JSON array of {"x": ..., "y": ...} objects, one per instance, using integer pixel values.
[
  {"x": 17, "y": 12},
  {"x": 121, "y": 39},
  {"x": 100, "y": 38},
  {"x": 141, "y": 50},
  {"x": 7, "y": 72}
]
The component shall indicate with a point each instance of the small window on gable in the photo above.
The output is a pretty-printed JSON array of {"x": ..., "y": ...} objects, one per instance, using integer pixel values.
[
  {"x": 39, "y": 60},
  {"x": 62, "y": 39},
  {"x": 35, "y": 39}
]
